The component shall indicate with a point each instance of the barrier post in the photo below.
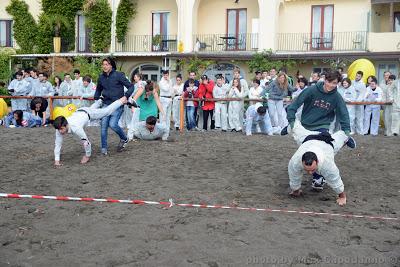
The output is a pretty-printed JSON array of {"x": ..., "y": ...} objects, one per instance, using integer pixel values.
[
  {"x": 181, "y": 114},
  {"x": 51, "y": 107}
]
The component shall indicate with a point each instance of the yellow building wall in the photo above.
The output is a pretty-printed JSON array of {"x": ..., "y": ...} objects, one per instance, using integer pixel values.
[
  {"x": 142, "y": 24},
  {"x": 35, "y": 8},
  {"x": 380, "y": 17},
  {"x": 295, "y": 16},
  {"x": 212, "y": 15}
]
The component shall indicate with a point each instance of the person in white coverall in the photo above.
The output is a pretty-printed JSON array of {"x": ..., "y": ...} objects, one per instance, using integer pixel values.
[
  {"x": 151, "y": 130},
  {"x": 257, "y": 115},
  {"x": 316, "y": 154},
  {"x": 360, "y": 88},
  {"x": 166, "y": 94},
  {"x": 394, "y": 98},
  {"x": 244, "y": 92},
  {"x": 221, "y": 107},
  {"x": 177, "y": 93},
  {"x": 235, "y": 107},
  {"x": 19, "y": 87},
  {"x": 373, "y": 94},
  {"x": 387, "y": 109},
  {"x": 349, "y": 94},
  {"x": 75, "y": 124}
]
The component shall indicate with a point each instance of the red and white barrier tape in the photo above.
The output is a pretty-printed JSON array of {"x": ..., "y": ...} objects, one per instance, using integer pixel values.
[{"x": 171, "y": 203}]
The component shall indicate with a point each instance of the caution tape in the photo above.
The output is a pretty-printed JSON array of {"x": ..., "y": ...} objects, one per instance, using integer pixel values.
[{"x": 171, "y": 203}]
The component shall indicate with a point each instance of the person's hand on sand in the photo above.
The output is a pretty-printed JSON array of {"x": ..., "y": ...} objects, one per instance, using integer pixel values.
[
  {"x": 85, "y": 159},
  {"x": 57, "y": 164},
  {"x": 341, "y": 200}
]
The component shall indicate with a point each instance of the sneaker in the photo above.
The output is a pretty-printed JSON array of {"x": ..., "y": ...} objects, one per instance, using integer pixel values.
[
  {"x": 122, "y": 145},
  {"x": 104, "y": 151},
  {"x": 351, "y": 142},
  {"x": 395, "y": 134},
  {"x": 318, "y": 182},
  {"x": 1, "y": 122},
  {"x": 284, "y": 131}
]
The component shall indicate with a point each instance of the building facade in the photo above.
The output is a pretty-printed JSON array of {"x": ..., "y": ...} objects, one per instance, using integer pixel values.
[{"x": 315, "y": 32}]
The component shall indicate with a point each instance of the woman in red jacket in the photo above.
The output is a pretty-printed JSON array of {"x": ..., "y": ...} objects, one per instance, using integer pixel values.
[{"x": 206, "y": 91}]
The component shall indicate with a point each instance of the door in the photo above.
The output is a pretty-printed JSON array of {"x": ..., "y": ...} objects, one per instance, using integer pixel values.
[
  {"x": 396, "y": 22},
  {"x": 83, "y": 43},
  {"x": 387, "y": 66},
  {"x": 160, "y": 31},
  {"x": 235, "y": 38},
  {"x": 322, "y": 27},
  {"x": 5, "y": 33}
]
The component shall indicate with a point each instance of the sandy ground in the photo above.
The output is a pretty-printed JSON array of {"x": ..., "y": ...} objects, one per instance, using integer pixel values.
[{"x": 211, "y": 168}]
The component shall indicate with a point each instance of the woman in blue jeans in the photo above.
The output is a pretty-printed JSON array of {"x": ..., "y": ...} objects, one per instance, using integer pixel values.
[{"x": 111, "y": 87}]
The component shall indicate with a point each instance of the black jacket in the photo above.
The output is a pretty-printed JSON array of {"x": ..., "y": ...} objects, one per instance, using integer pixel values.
[{"x": 111, "y": 87}]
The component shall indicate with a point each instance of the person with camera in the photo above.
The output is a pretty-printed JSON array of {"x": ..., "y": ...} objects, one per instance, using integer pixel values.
[{"x": 191, "y": 106}]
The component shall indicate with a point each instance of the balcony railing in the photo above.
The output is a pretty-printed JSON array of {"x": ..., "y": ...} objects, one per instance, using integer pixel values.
[
  {"x": 336, "y": 41},
  {"x": 225, "y": 42},
  {"x": 148, "y": 43}
]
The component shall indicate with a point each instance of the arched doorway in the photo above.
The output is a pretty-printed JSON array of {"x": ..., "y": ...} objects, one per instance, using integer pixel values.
[
  {"x": 225, "y": 69},
  {"x": 149, "y": 71}
]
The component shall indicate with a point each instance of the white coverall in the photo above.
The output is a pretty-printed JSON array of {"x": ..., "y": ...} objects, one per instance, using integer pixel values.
[
  {"x": 80, "y": 119},
  {"x": 43, "y": 88},
  {"x": 349, "y": 95},
  {"x": 387, "y": 109},
  {"x": 325, "y": 155},
  {"x": 359, "y": 109},
  {"x": 394, "y": 96},
  {"x": 221, "y": 107},
  {"x": 235, "y": 109},
  {"x": 159, "y": 132},
  {"x": 166, "y": 94},
  {"x": 21, "y": 88},
  {"x": 253, "y": 119},
  {"x": 374, "y": 110},
  {"x": 177, "y": 93},
  {"x": 245, "y": 92}
]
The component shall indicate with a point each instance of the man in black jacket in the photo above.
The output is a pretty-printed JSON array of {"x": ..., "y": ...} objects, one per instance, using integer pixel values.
[{"x": 111, "y": 87}]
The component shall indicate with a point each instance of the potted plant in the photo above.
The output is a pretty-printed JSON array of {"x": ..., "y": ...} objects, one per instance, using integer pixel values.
[
  {"x": 57, "y": 21},
  {"x": 156, "y": 42}
]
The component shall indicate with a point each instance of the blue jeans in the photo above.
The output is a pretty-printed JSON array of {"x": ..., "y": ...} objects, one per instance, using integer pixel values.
[
  {"x": 111, "y": 121},
  {"x": 191, "y": 120}
]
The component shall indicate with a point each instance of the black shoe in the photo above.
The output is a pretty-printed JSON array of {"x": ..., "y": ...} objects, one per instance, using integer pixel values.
[
  {"x": 233, "y": 130},
  {"x": 224, "y": 131},
  {"x": 318, "y": 182},
  {"x": 351, "y": 142},
  {"x": 177, "y": 128},
  {"x": 122, "y": 145},
  {"x": 284, "y": 131},
  {"x": 133, "y": 104},
  {"x": 395, "y": 134}
]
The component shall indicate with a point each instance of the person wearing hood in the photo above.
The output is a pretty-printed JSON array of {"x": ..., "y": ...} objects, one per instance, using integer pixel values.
[
  {"x": 321, "y": 104},
  {"x": 19, "y": 87},
  {"x": 110, "y": 86},
  {"x": 166, "y": 94},
  {"x": 206, "y": 91}
]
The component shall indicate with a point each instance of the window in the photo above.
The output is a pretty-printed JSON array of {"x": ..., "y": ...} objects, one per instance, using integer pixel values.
[
  {"x": 322, "y": 27},
  {"x": 5, "y": 33},
  {"x": 236, "y": 29},
  {"x": 160, "y": 31},
  {"x": 321, "y": 69},
  {"x": 149, "y": 72},
  {"x": 83, "y": 43},
  {"x": 396, "y": 21}
]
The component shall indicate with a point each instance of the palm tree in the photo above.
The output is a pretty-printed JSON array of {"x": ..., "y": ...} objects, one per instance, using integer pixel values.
[{"x": 57, "y": 21}]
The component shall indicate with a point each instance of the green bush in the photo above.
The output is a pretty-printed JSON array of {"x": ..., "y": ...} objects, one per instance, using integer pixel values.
[
  {"x": 264, "y": 61},
  {"x": 126, "y": 11},
  {"x": 24, "y": 26},
  {"x": 4, "y": 91},
  {"x": 91, "y": 67},
  {"x": 5, "y": 57},
  {"x": 98, "y": 14}
]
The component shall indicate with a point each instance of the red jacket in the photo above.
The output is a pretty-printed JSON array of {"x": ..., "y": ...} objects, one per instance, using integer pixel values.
[{"x": 206, "y": 91}]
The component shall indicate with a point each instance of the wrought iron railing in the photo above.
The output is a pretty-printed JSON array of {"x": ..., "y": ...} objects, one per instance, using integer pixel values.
[
  {"x": 335, "y": 41},
  {"x": 148, "y": 43},
  {"x": 225, "y": 42}
]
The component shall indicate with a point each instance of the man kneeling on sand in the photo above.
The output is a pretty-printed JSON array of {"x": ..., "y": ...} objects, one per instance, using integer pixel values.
[
  {"x": 150, "y": 130},
  {"x": 75, "y": 124},
  {"x": 316, "y": 154}
]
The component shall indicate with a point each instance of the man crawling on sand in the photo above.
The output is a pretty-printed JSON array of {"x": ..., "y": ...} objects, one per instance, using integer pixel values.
[
  {"x": 316, "y": 154},
  {"x": 75, "y": 124}
]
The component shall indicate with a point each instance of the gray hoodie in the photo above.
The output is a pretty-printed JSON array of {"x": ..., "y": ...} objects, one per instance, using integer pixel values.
[{"x": 275, "y": 92}]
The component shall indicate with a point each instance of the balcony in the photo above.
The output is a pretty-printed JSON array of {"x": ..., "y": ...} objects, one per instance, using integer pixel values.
[
  {"x": 225, "y": 42},
  {"x": 148, "y": 43},
  {"x": 316, "y": 42}
]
